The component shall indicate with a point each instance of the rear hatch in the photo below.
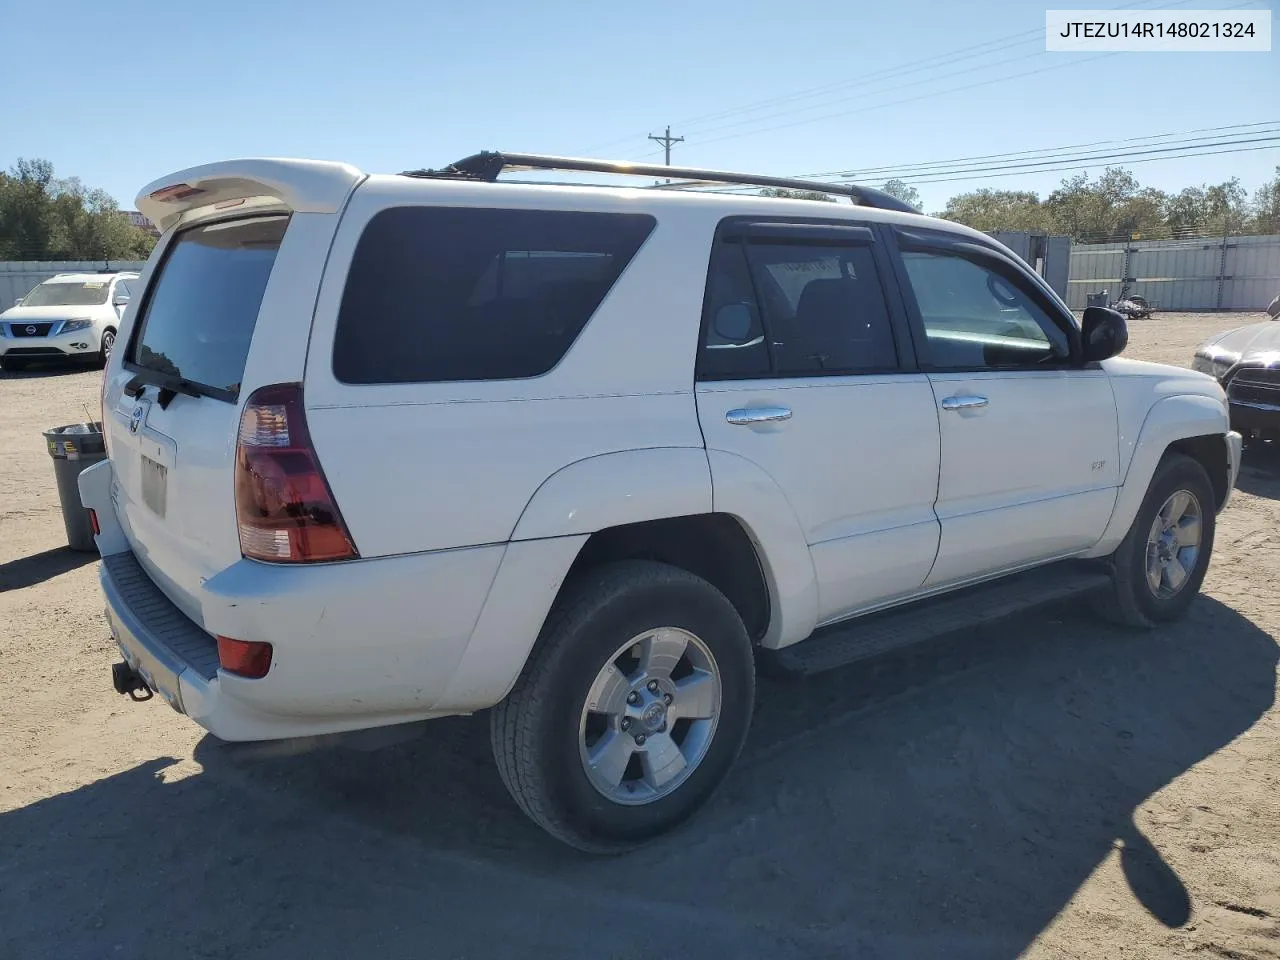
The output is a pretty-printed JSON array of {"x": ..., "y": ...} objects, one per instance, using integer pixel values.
[{"x": 226, "y": 309}]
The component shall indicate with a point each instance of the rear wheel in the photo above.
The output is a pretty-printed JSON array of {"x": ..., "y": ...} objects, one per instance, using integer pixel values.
[
  {"x": 1159, "y": 566},
  {"x": 632, "y": 708}
]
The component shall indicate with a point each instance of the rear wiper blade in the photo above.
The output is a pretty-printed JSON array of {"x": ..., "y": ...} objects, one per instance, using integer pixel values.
[{"x": 170, "y": 386}]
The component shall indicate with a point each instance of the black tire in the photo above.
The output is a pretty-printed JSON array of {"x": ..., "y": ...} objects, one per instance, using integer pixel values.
[
  {"x": 535, "y": 730},
  {"x": 1131, "y": 601},
  {"x": 106, "y": 346}
]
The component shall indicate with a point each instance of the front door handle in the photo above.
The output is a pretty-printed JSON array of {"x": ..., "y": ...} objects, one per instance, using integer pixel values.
[
  {"x": 964, "y": 403},
  {"x": 746, "y": 416}
]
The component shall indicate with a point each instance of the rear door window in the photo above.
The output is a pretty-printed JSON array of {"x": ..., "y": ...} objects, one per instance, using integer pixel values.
[
  {"x": 795, "y": 309},
  {"x": 439, "y": 294},
  {"x": 203, "y": 305}
]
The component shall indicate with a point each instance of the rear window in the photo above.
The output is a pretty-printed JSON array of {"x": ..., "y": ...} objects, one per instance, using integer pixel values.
[
  {"x": 438, "y": 294},
  {"x": 203, "y": 305}
]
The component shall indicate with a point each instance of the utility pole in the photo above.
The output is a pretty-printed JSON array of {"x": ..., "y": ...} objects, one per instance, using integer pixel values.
[{"x": 666, "y": 140}]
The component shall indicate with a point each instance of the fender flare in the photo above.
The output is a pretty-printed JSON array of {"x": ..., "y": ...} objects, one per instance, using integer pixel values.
[
  {"x": 612, "y": 489},
  {"x": 1169, "y": 419}
]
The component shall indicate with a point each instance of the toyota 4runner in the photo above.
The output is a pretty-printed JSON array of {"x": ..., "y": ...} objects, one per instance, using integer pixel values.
[{"x": 387, "y": 448}]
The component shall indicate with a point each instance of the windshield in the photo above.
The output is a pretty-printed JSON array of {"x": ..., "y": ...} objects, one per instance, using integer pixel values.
[
  {"x": 62, "y": 293},
  {"x": 204, "y": 303}
]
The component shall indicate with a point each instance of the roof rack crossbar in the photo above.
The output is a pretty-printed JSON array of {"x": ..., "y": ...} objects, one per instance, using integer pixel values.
[{"x": 487, "y": 166}]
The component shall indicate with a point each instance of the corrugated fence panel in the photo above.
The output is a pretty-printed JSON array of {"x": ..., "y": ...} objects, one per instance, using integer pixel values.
[
  {"x": 1094, "y": 268},
  {"x": 18, "y": 277},
  {"x": 1180, "y": 274},
  {"x": 1253, "y": 273}
]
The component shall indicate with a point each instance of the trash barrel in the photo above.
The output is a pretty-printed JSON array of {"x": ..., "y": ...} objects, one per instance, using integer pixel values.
[
  {"x": 73, "y": 448},
  {"x": 1097, "y": 299}
]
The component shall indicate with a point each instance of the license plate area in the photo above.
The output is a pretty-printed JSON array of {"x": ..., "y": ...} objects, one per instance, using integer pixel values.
[{"x": 154, "y": 481}]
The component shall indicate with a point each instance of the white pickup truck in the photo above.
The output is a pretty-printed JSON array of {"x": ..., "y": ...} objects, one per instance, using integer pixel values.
[{"x": 392, "y": 447}]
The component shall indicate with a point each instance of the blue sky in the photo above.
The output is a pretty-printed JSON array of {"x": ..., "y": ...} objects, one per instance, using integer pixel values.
[{"x": 155, "y": 87}]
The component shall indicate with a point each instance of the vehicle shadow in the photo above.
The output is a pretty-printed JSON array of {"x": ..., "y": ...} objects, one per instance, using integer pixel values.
[
  {"x": 949, "y": 801},
  {"x": 50, "y": 369},
  {"x": 39, "y": 567},
  {"x": 1260, "y": 470}
]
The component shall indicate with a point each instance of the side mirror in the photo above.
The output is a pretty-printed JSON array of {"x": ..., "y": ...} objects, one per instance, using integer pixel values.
[
  {"x": 18, "y": 302},
  {"x": 1105, "y": 333},
  {"x": 121, "y": 301}
]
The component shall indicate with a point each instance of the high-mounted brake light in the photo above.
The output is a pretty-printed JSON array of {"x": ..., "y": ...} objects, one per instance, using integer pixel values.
[
  {"x": 177, "y": 191},
  {"x": 284, "y": 507}
]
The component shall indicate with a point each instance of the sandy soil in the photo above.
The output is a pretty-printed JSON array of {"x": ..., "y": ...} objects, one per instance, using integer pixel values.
[{"x": 1052, "y": 788}]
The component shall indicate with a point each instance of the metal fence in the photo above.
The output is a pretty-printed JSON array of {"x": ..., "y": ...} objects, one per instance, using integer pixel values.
[
  {"x": 1222, "y": 273},
  {"x": 18, "y": 277}
]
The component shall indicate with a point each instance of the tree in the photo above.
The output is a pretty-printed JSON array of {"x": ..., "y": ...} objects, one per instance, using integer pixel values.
[
  {"x": 43, "y": 218},
  {"x": 1265, "y": 212},
  {"x": 990, "y": 210},
  {"x": 903, "y": 191},
  {"x": 782, "y": 193}
]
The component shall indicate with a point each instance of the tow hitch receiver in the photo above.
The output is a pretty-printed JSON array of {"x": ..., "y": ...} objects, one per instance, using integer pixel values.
[{"x": 127, "y": 680}]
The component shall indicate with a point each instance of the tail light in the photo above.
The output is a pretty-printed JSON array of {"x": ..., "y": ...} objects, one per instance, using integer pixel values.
[
  {"x": 285, "y": 510},
  {"x": 245, "y": 658}
]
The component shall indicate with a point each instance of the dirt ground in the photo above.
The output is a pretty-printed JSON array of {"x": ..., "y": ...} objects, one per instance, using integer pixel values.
[{"x": 1052, "y": 788}]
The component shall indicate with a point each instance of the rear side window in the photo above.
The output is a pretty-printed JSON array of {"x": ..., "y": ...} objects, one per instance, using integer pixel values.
[
  {"x": 794, "y": 309},
  {"x": 202, "y": 306},
  {"x": 439, "y": 294}
]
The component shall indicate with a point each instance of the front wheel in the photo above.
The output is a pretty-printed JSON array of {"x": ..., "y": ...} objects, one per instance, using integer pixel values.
[
  {"x": 633, "y": 706},
  {"x": 1159, "y": 566},
  {"x": 108, "y": 344}
]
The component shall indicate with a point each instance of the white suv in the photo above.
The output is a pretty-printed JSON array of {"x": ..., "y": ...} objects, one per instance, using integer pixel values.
[
  {"x": 386, "y": 448},
  {"x": 71, "y": 316}
]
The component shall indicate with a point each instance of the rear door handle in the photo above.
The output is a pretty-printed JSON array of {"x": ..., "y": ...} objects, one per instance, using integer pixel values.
[
  {"x": 745, "y": 416},
  {"x": 964, "y": 403}
]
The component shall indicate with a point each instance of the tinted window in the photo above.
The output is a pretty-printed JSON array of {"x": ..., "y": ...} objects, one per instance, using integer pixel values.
[
  {"x": 439, "y": 294},
  {"x": 822, "y": 309},
  {"x": 734, "y": 343},
  {"x": 122, "y": 290},
  {"x": 975, "y": 318},
  {"x": 203, "y": 304}
]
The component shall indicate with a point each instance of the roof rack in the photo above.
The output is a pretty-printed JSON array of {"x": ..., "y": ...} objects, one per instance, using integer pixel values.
[{"x": 487, "y": 165}]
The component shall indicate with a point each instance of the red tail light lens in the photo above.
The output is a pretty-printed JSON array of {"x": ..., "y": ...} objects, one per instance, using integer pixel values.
[
  {"x": 245, "y": 658},
  {"x": 284, "y": 507},
  {"x": 93, "y": 522}
]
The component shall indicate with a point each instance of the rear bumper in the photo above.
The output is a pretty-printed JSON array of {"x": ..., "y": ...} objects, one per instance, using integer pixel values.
[
  {"x": 178, "y": 661},
  {"x": 358, "y": 644}
]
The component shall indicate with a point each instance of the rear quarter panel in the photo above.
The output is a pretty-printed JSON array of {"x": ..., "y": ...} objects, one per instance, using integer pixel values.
[{"x": 432, "y": 466}]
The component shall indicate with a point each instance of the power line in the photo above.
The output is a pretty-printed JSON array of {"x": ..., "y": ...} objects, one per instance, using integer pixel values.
[
  {"x": 1046, "y": 164},
  {"x": 925, "y": 165},
  {"x": 1271, "y": 143},
  {"x": 949, "y": 57}
]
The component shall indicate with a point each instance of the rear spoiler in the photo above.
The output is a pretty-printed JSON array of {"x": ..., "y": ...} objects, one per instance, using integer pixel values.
[{"x": 306, "y": 186}]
